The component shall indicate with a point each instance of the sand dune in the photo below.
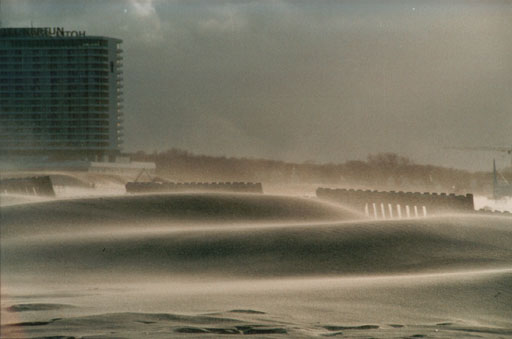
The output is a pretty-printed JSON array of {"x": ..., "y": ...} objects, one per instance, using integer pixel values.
[
  {"x": 240, "y": 235},
  {"x": 435, "y": 306},
  {"x": 280, "y": 250},
  {"x": 75, "y": 214},
  {"x": 210, "y": 265}
]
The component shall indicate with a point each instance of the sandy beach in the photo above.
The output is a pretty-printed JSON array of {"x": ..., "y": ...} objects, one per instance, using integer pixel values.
[
  {"x": 227, "y": 265},
  {"x": 262, "y": 169}
]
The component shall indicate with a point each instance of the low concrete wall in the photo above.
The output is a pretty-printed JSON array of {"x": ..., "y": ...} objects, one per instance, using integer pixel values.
[
  {"x": 398, "y": 204},
  {"x": 240, "y": 187},
  {"x": 31, "y": 186}
]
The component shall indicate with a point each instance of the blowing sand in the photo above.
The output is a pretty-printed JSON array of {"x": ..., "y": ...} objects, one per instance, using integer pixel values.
[{"x": 227, "y": 265}]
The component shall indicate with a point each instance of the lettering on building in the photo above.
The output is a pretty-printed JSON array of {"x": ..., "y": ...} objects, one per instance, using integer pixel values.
[{"x": 40, "y": 32}]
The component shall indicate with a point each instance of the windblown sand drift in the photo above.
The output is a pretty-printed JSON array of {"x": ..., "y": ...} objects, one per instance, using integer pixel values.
[
  {"x": 75, "y": 215},
  {"x": 194, "y": 265},
  {"x": 279, "y": 250}
]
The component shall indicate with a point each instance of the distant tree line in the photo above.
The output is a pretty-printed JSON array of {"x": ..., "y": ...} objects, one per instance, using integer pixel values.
[{"x": 382, "y": 171}]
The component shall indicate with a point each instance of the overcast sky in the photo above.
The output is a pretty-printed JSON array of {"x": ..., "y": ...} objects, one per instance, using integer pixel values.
[{"x": 324, "y": 81}]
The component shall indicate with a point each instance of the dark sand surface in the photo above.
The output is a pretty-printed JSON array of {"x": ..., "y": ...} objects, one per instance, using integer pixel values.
[
  {"x": 216, "y": 265},
  {"x": 56, "y": 216}
]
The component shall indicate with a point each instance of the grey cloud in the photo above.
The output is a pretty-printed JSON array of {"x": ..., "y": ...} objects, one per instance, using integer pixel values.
[{"x": 300, "y": 80}]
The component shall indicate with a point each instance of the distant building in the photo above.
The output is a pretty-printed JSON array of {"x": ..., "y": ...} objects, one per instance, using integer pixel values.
[{"x": 60, "y": 94}]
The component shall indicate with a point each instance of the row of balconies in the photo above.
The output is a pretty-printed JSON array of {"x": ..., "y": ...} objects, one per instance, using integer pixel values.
[
  {"x": 5, "y": 137},
  {"x": 53, "y": 59},
  {"x": 28, "y": 125},
  {"x": 68, "y": 131},
  {"x": 64, "y": 123},
  {"x": 62, "y": 119},
  {"x": 54, "y": 108},
  {"x": 33, "y": 73},
  {"x": 46, "y": 95},
  {"x": 53, "y": 136},
  {"x": 64, "y": 145},
  {"x": 18, "y": 110},
  {"x": 98, "y": 126},
  {"x": 44, "y": 101},
  {"x": 54, "y": 80},
  {"x": 53, "y": 115},
  {"x": 63, "y": 54},
  {"x": 52, "y": 51},
  {"x": 52, "y": 88},
  {"x": 51, "y": 66},
  {"x": 65, "y": 115},
  {"x": 45, "y": 80}
]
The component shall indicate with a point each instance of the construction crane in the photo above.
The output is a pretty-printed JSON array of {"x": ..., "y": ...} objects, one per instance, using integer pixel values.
[
  {"x": 501, "y": 186},
  {"x": 501, "y": 149}
]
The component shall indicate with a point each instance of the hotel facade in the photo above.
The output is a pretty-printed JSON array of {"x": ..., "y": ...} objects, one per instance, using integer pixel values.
[{"x": 60, "y": 94}]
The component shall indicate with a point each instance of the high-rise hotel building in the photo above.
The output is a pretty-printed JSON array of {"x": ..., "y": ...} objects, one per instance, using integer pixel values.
[{"x": 60, "y": 93}]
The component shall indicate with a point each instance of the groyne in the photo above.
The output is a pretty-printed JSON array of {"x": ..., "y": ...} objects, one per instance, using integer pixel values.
[
  {"x": 234, "y": 187},
  {"x": 382, "y": 204},
  {"x": 28, "y": 186}
]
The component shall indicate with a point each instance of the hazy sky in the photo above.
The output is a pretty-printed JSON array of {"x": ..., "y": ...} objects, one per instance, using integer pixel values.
[{"x": 325, "y": 81}]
